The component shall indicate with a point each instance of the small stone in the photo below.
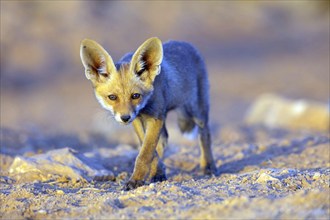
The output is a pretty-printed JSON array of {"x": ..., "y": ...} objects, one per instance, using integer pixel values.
[
  {"x": 262, "y": 148},
  {"x": 316, "y": 176},
  {"x": 305, "y": 183},
  {"x": 245, "y": 179},
  {"x": 59, "y": 192},
  {"x": 264, "y": 178},
  {"x": 42, "y": 211},
  {"x": 238, "y": 156}
]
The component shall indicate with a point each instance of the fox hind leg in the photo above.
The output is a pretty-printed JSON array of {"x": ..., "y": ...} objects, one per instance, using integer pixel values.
[
  {"x": 187, "y": 121},
  {"x": 201, "y": 118},
  {"x": 206, "y": 160}
]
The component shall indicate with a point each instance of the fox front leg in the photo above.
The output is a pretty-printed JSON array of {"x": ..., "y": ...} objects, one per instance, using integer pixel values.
[
  {"x": 139, "y": 129},
  {"x": 146, "y": 154}
]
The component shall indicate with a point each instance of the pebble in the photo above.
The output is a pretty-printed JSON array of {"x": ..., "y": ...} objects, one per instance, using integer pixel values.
[
  {"x": 59, "y": 192},
  {"x": 245, "y": 179},
  {"x": 159, "y": 193},
  {"x": 305, "y": 183},
  {"x": 262, "y": 148},
  {"x": 264, "y": 178},
  {"x": 42, "y": 211},
  {"x": 316, "y": 176}
]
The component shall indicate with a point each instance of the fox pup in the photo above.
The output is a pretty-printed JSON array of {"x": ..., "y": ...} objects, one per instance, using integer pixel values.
[{"x": 142, "y": 88}]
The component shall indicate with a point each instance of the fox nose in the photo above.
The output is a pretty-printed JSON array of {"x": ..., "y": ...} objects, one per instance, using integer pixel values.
[{"x": 125, "y": 118}]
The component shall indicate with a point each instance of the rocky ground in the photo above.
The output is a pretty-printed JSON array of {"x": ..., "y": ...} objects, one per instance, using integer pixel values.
[{"x": 263, "y": 173}]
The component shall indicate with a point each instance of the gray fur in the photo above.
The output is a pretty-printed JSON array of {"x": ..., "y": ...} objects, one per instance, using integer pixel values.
[{"x": 182, "y": 85}]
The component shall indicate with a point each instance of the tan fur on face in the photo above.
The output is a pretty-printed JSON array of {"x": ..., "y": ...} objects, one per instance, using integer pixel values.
[{"x": 123, "y": 84}]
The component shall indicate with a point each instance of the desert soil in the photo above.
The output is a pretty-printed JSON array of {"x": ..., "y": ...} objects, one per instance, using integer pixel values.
[{"x": 263, "y": 173}]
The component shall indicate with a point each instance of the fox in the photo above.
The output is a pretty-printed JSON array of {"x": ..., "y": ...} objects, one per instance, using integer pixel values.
[{"x": 142, "y": 87}]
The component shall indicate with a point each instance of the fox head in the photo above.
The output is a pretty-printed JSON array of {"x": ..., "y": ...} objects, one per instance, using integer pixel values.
[{"x": 125, "y": 88}]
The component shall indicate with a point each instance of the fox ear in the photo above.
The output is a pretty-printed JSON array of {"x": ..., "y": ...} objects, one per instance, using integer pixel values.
[
  {"x": 97, "y": 62},
  {"x": 147, "y": 59}
]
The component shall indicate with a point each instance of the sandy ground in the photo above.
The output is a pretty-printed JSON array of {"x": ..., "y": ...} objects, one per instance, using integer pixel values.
[{"x": 263, "y": 173}]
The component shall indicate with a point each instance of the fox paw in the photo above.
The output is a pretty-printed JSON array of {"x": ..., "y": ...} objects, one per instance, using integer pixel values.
[
  {"x": 158, "y": 178},
  {"x": 210, "y": 170},
  {"x": 133, "y": 184}
]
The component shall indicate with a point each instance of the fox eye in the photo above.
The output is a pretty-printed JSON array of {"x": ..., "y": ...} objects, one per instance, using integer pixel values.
[
  {"x": 136, "y": 96},
  {"x": 139, "y": 73},
  {"x": 112, "y": 97}
]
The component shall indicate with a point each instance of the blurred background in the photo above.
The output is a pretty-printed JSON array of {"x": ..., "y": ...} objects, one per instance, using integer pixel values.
[{"x": 250, "y": 48}]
